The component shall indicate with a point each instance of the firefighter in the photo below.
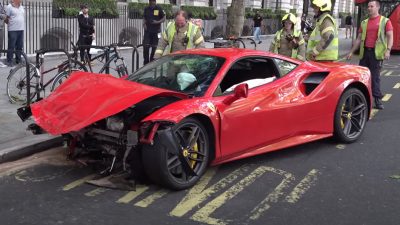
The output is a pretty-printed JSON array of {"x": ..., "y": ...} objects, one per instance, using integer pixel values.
[
  {"x": 179, "y": 35},
  {"x": 323, "y": 43},
  {"x": 289, "y": 41}
]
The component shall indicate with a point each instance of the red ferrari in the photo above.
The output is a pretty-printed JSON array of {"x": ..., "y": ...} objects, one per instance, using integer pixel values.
[{"x": 185, "y": 111}]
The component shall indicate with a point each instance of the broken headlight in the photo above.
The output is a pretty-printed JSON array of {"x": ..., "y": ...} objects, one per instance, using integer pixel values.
[{"x": 115, "y": 123}]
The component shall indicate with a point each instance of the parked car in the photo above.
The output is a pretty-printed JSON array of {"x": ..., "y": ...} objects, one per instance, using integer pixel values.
[{"x": 195, "y": 108}]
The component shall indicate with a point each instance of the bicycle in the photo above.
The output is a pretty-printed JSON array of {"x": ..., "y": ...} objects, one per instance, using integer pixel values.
[
  {"x": 110, "y": 54},
  {"x": 232, "y": 42},
  {"x": 17, "y": 84}
]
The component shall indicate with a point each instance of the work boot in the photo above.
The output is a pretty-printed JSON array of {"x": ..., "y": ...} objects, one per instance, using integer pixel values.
[{"x": 378, "y": 104}]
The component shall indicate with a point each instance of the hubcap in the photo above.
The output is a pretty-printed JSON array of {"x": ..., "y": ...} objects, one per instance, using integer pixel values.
[
  {"x": 353, "y": 115},
  {"x": 192, "y": 142}
]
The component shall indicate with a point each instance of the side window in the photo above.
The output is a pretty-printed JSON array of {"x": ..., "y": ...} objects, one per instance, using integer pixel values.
[
  {"x": 284, "y": 67},
  {"x": 254, "y": 71}
]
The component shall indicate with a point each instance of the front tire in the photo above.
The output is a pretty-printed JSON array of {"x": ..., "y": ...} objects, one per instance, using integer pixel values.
[
  {"x": 351, "y": 116},
  {"x": 164, "y": 166}
]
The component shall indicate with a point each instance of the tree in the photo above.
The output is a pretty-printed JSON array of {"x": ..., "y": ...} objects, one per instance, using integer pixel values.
[{"x": 235, "y": 19}]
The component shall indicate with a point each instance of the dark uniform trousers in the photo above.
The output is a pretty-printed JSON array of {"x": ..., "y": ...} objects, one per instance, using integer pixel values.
[
  {"x": 150, "y": 40},
  {"x": 369, "y": 60}
]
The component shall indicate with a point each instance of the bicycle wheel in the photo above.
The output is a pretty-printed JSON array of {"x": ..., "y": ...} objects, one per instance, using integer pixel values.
[
  {"x": 17, "y": 85},
  {"x": 63, "y": 75},
  {"x": 239, "y": 43}
]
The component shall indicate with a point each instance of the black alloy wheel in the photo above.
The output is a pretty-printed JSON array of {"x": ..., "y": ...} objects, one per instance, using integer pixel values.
[{"x": 351, "y": 116}]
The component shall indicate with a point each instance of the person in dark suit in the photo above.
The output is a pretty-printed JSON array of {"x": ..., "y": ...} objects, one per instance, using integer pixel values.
[{"x": 86, "y": 32}]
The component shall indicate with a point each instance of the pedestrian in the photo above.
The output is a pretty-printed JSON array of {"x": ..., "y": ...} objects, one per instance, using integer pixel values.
[
  {"x": 3, "y": 19},
  {"x": 289, "y": 41},
  {"x": 154, "y": 16},
  {"x": 16, "y": 26},
  {"x": 257, "y": 20},
  {"x": 179, "y": 35},
  {"x": 349, "y": 25},
  {"x": 375, "y": 41},
  {"x": 86, "y": 33},
  {"x": 323, "y": 43}
]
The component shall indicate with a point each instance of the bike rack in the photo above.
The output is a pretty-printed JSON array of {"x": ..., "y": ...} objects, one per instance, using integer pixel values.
[{"x": 42, "y": 52}]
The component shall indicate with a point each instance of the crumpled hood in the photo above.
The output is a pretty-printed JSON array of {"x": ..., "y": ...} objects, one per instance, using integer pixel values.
[{"x": 86, "y": 98}]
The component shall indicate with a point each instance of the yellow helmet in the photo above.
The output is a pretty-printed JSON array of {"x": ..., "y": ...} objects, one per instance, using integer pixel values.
[
  {"x": 290, "y": 17},
  {"x": 323, "y": 5}
]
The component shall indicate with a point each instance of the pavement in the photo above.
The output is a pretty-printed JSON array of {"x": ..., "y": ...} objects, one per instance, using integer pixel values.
[{"x": 16, "y": 142}]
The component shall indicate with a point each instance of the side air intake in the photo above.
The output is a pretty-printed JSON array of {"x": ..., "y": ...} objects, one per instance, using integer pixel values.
[{"x": 313, "y": 80}]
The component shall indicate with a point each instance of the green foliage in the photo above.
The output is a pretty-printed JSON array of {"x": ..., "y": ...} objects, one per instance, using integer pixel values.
[
  {"x": 97, "y": 8},
  {"x": 205, "y": 13},
  {"x": 136, "y": 10},
  {"x": 294, "y": 11},
  {"x": 264, "y": 13}
]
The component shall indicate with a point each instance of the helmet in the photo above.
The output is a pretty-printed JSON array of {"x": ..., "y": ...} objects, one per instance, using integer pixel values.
[
  {"x": 323, "y": 5},
  {"x": 290, "y": 17}
]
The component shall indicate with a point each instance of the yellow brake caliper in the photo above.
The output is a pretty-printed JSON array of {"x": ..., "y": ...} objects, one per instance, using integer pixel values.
[
  {"x": 341, "y": 118},
  {"x": 193, "y": 155}
]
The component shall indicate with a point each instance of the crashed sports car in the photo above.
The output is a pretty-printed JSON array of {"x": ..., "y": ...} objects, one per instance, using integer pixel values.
[{"x": 195, "y": 108}]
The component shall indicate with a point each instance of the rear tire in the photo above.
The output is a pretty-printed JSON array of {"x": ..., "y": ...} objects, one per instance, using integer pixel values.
[
  {"x": 17, "y": 85},
  {"x": 164, "y": 167},
  {"x": 351, "y": 116},
  {"x": 62, "y": 76}
]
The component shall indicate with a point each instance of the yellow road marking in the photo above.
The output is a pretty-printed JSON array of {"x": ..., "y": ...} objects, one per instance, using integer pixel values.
[
  {"x": 203, "y": 215},
  {"x": 303, "y": 186},
  {"x": 274, "y": 195},
  {"x": 78, "y": 182},
  {"x": 386, "y": 97},
  {"x": 181, "y": 208},
  {"x": 193, "y": 199},
  {"x": 373, "y": 113},
  {"x": 397, "y": 86},
  {"x": 341, "y": 146},
  {"x": 150, "y": 199},
  {"x": 95, "y": 192},
  {"x": 388, "y": 73},
  {"x": 383, "y": 72},
  {"x": 132, "y": 194}
]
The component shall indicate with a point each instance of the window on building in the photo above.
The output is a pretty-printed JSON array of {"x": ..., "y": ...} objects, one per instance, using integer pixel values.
[
  {"x": 210, "y": 2},
  {"x": 172, "y": 2}
]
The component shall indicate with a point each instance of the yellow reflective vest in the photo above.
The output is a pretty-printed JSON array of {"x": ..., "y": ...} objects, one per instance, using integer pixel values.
[
  {"x": 277, "y": 43},
  {"x": 170, "y": 32},
  {"x": 381, "y": 42},
  {"x": 332, "y": 51}
]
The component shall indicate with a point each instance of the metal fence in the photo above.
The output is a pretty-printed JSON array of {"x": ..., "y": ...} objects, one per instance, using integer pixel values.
[{"x": 44, "y": 29}]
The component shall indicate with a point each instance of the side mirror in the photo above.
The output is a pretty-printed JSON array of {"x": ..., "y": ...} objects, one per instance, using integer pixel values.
[{"x": 240, "y": 91}]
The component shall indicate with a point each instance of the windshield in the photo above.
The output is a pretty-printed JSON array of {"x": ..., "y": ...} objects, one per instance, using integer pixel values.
[{"x": 190, "y": 74}]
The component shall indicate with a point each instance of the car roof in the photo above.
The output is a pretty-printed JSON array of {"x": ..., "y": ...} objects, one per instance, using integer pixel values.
[{"x": 228, "y": 53}]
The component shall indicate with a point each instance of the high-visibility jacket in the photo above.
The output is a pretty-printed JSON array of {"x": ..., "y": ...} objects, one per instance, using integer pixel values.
[
  {"x": 277, "y": 43},
  {"x": 169, "y": 33},
  {"x": 331, "y": 52},
  {"x": 381, "y": 43}
]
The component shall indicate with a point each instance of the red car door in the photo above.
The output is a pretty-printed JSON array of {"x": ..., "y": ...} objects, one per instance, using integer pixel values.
[{"x": 261, "y": 118}]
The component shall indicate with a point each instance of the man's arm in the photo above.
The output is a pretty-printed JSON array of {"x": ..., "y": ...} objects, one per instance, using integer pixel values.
[
  {"x": 389, "y": 39},
  {"x": 198, "y": 39},
  {"x": 356, "y": 45},
  {"x": 162, "y": 43},
  {"x": 327, "y": 36}
]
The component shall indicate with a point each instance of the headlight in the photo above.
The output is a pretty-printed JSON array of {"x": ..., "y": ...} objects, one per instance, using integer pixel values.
[{"x": 115, "y": 123}]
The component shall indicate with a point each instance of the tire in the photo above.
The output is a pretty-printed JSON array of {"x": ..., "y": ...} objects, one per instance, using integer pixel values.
[
  {"x": 62, "y": 76},
  {"x": 351, "y": 116},
  {"x": 165, "y": 168},
  {"x": 17, "y": 85}
]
